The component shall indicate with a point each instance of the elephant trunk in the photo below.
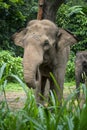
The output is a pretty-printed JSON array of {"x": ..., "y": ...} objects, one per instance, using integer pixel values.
[
  {"x": 32, "y": 77},
  {"x": 31, "y": 62}
]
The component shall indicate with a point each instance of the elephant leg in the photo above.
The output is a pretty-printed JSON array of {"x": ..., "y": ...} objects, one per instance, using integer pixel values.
[
  {"x": 59, "y": 76},
  {"x": 40, "y": 90},
  {"x": 78, "y": 73},
  {"x": 43, "y": 84},
  {"x": 37, "y": 94},
  {"x": 78, "y": 77}
]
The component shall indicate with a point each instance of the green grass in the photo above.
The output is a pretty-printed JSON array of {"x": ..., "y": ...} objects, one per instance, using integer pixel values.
[
  {"x": 13, "y": 87},
  {"x": 51, "y": 117},
  {"x": 68, "y": 116},
  {"x": 71, "y": 83},
  {"x": 17, "y": 87}
]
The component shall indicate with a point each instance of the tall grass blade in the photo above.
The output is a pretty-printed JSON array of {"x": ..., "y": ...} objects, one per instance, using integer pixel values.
[
  {"x": 36, "y": 124},
  {"x": 55, "y": 82},
  {"x": 83, "y": 119},
  {"x": 20, "y": 81},
  {"x": 2, "y": 70},
  {"x": 70, "y": 123},
  {"x": 3, "y": 87},
  {"x": 64, "y": 107}
]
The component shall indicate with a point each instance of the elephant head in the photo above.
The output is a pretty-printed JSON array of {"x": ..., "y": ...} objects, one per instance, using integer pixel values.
[{"x": 41, "y": 41}]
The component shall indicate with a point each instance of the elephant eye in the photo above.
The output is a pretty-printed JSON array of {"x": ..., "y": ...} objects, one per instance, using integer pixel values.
[{"x": 46, "y": 45}]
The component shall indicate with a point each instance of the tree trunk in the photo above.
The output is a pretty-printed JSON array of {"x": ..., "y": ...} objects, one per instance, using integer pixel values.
[
  {"x": 40, "y": 9},
  {"x": 50, "y": 8}
]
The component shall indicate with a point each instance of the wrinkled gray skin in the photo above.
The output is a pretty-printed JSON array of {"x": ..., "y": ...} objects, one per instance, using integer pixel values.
[
  {"x": 46, "y": 49},
  {"x": 80, "y": 69}
]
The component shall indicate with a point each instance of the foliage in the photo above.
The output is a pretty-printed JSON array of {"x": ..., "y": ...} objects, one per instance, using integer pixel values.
[
  {"x": 44, "y": 117},
  {"x": 70, "y": 69},
  {"x": 13, "y": 87},
  {"x": 74, "y": 18},
  {"x": 14, "y": 14},
  {"x": 13, "y": 64}
]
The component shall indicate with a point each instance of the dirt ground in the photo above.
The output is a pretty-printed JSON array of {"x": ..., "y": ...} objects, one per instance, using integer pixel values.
[{"x": 16, "y": 100}]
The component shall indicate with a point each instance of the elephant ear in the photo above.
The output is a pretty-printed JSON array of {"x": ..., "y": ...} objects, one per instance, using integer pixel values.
[
  {"x": 65, "y": 38},
  {"x": 18, "y": 37}
]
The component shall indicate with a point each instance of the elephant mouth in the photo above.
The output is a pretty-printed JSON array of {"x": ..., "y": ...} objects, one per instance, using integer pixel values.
[
  {"x": 37, "y": 78},
  {"x": 37, "y": 74}
]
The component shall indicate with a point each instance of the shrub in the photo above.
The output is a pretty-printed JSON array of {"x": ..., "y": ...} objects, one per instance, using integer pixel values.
[
  {"x": 14, "y": 14},
  {"x": 70, "y": 70},
  {"x": 73, "y": 17},
  {"x": 13, "y": 64}
]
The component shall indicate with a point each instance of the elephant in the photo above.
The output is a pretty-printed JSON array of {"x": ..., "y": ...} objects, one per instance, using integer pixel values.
[
  {"x": 80, "y": 69},
  {"x": 46, "y": 49}
]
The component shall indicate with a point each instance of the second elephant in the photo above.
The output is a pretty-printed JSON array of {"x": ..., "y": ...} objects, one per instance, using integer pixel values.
[{"x": 80, "y": 69}]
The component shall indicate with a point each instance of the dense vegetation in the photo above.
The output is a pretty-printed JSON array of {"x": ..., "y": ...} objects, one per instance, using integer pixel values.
[
  {"x": 13, "y": 64},
  {"x": 50, "y": 116},
  {"x": 73, "y": 17},
  {"x": 14, "y": 14}
]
